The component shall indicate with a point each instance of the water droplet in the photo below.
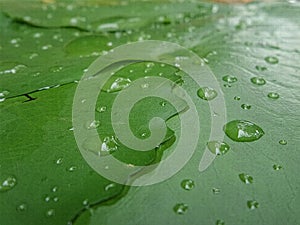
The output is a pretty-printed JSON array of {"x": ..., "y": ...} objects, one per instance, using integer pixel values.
[
  {"x": 7, "y": 183},
  {"x": 71, "y": 168},
  {"x": 101, "y": 109},
  {"x": 187, "y": 184},
  {"x": 47, "y": 198},
  {"x": 163, "y": 103},
  {"x": 229, "y": 79},
  {"x": 46, "y": 47},
  {"x": 54, "y": 189},
  {"x": 252, "y": 204},
  {"x": 55, "y": 199},
  {"x": 109, "y": 145},
  {"x": 22, "y": 207},
  {"x": 243, "y": 131},
  {"x": 218, "y": 147},
  {"x": 237, "y": 98},
  {"x": 3, "y": 95},
  {"x": 227, "y": 85},
  {"x": 180, "y": 208},
  {"x": 93, "y": 125},
  {"x": 85, "y": 202},
  {"x": 50, "y": 213},
  {"x": 283, "y": 142},
  {"x": 271, "y": 59},
  {"x": 273, "y": 95},
  {"x": 59, "y": 161},
  {"x": 247, "y": 179},
  {"x": 258, "y": 80},
  {"x": 117, "y": 84},
  {"x": 207, "y": 93},
  {"x": 220, "y": 222},
  {"x": 260, "y": 68},
  {"x": 109, "y": 186},
  {"x": 56, "y": 69},
  {"x": 246, "y": 106},
  {"x": 277, "y": 167},
  {"x": 216, "y": 190}
]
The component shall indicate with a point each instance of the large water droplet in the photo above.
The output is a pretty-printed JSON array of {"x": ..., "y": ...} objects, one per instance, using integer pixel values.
[
  {"x": 273, "y": 95},
  {"x": 187, "y": 184},
  {"x": 118, "y": 84},
  {"x": 7, "y": 183},
  {"x": 252, "y": 204},
  {"x": 180, "y": 208},
  {"x": 243, "y": 131},
  {"x": 207, "y": 93},
  {"x": 247, "y": 179},
  {"x": 271, "y": 59},
  {"x": 229, "y": 79},
  {"x": 218, "y": 147},
  {"x": 258, "y": 80}
]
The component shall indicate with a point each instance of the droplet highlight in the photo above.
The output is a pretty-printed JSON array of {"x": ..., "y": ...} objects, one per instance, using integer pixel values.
[{"x": 218, "y": 147}]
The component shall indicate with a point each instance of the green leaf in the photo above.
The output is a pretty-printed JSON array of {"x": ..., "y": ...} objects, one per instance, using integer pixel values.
[{"x": 45, "y": 47}]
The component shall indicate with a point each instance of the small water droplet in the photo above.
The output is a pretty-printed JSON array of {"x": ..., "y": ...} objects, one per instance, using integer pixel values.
[
  {"x": 229, "y": 79},
  {"x": 243, "y": 131},
  {"x": 207, "y": 93},
  {"x": 163, "y": 103},
  {"x": 273, "y": 95},
  {"x": 47, "y": 198},
  {"x": 246, "y": 106},
  {"x": 218, "y": 147},
  {"x": 260, "y": 68},
  {"x": 55, "y": 199},
  {"x": 50, "y": 213},
  {"x": 56, "y": 69},
  {"x": 7, "y": 183},
  {"x": 180, "y": 208},
  {"x": 227, "y": 85},
  {"x": 252, "y": 204},
  {"x": 93, "y": 125},
  {"x": 220, "y": 222},
  {"x": 216, "y": 190},
  {"x": 54, "y": 189},
  {"x": 85, "y": 202},
  {"x": 22, "y": 207},
  {"x": 237, "y": 98},
  {"x": 109, "y": 186},
  {"x": 271, "y": 59},
  {"x": 115, "y": 85},
  {"x": 258, "y": 80},
  {"x": 46, "y": 47},
  {"x": 187, "y": 184},
  {"x": 101, "y": 109},
  {"x": 71, "y": 168},
  {"x": 247, "y": 179},
  {"x": 109, "y": 145},
  {"x": 59, "y": 161},
  {"x": 283, "y": 142},
  {"x": 277, "y": 167}
]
